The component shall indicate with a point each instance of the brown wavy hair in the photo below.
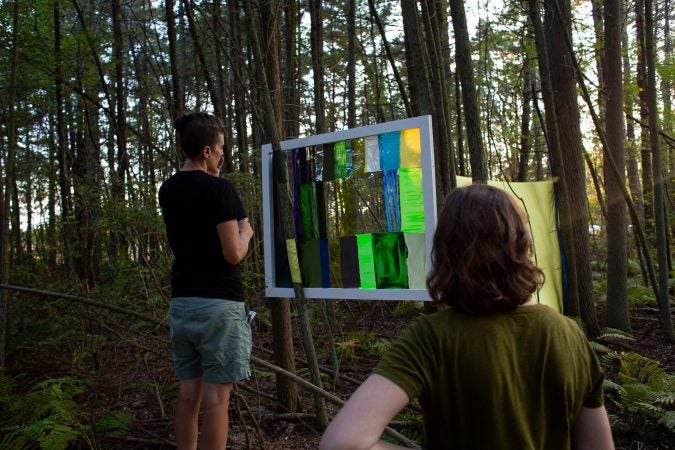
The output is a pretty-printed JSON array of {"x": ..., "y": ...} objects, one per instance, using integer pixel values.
[
  {"x": 198, "y": 130},
  {"x": 481, "y": 253}
]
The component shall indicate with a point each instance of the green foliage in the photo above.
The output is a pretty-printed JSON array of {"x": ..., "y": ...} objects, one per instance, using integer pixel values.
[
  {"x": 117, "y": 423},
  {"x": 645, "y": 393},
  {"x": 45, "y": 418},
  {"x": 361, "y": 341},
  {"x": 608, "y": 334}
]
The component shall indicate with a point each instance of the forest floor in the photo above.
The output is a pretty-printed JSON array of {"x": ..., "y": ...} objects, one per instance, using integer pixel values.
[{"x": 129, "y": 374}]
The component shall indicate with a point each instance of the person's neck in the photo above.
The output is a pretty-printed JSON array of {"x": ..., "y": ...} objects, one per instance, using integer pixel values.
[{"x": 192, "y": 165}]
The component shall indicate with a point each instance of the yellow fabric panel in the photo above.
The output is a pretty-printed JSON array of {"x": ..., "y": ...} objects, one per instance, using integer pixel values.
[
  {"x": 293, "y": 261},
  {"x": 538, "y": 201}
]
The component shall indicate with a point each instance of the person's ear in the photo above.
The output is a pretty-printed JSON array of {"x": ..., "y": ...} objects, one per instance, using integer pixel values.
[{"x": 206, "y": 151}]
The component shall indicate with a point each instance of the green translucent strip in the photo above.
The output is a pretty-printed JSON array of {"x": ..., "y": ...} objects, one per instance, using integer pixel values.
[
  {"x": 308, "y": 211},
  {"x": 411, "y": 195},
  {"x": 340, "y": 159},
  {"x": 364, "y": 243},
  {"x": 416, "y": 262},
  {"x": 391, "y": 271}
]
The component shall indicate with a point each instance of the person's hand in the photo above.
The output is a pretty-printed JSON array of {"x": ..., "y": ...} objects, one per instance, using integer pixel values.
[{"x": 245, "y": 229}]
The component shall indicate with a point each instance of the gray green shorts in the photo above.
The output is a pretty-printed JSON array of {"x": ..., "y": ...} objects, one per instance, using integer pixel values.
[{"x": 210, "y": 337}]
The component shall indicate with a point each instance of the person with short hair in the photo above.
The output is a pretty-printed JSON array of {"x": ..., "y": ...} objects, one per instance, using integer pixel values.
[
  {"x": 492, "y": 369},
  {"x": 209, "y": 234}
]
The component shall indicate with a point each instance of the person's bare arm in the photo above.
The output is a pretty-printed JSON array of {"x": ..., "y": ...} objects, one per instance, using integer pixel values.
[
  {"x": 361, "y": 421},
  {"x": 234, "y": 238},
  {"x": 591, "y": 430}
]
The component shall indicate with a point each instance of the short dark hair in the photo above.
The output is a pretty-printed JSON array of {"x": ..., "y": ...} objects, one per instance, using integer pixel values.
[
  {"x": 481, "y": 251},
  {"x": 197, "y": 130}
]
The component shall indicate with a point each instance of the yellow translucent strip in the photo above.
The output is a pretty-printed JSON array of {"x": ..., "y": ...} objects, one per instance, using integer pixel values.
[
  {"x": 293, "y": 262},
  {"x": 411, "y": 148}
]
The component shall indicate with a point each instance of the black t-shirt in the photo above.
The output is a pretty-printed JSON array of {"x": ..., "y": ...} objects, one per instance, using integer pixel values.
[{"x": 193, "y": 203}]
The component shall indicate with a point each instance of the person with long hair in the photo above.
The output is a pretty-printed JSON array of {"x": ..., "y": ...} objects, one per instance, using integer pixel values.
[
  {"x": 209, "y": 235},
  {"x": 492, "y": 369}
]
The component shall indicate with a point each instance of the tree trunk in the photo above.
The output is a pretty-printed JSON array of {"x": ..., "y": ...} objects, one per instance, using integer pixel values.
[
  {"x": 558, "y": 170},
  {"x": 617, "y": 304},
  {"x": 645, "y": 150},
  {"x": 8, "y": 185},
  {"x": 178, "y": 105},
  {"x": 63, "y": 153},
  {"x": 632, "y": 167},
  {"x": 351, "y": 63},
  {"x": 122, "y": 160},
  {"x": 280, "y": 308},
  {"x": 469, "y": 95},
  {"x": 387, "y": 48},
  {"x": 445, "y": 161},
  {"x": 525, "y": 135},
  {"x": 558, "y": 27},
  {"x": 317, "y": 25},
  {"x": 291, "y": 98},
  {"x": 659, "y": 182}
]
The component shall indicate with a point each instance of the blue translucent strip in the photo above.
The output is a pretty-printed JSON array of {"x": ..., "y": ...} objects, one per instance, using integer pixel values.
[
  {"x": 391, "y": 200},
  {"x": 390, "y": 143}
]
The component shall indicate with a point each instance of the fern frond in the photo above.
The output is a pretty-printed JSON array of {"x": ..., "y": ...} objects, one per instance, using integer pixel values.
[{"x": 667, "y": 419}]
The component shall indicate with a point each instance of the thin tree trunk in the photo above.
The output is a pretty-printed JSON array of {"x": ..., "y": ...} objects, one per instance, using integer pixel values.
[
  {"x": 525, "y": 136},
  {"x": 645, "y": 150},
  {"x": 178, "y": 105},
  {"x": 387, "y": 48},
  {"x": 122, "y": 159},
  {"x": 659, "y": 182},
  {"x": 315, "y": 7},
  {"x": 8, "y": 185},
  {"x": 351, "y": 63},
  {"x": 280, "y": 308},
  {"x": 469, "y": 95},
  {"x": 558, "y": 169},
  {"x": 617, "y": 303}
]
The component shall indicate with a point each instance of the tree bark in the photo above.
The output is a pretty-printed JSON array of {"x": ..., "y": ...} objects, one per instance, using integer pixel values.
[
  {"x": 563, "y": 80},
  {"x": 315, "y": 7},
  {"x": 280, "y": 308},
  {"x": 558, "y": 170},
  {"x": 617, "y": 303},
  {"x": 645, "y": 150},
  {"x": 469, "y": 95},
  {"x": 8, "y": 185},
  {"x": 178, "y": 105},
  {"x": 659, "y": 181}
]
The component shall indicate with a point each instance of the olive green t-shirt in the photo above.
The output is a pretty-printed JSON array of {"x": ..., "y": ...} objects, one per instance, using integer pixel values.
[{"x": 508, "y": 381}]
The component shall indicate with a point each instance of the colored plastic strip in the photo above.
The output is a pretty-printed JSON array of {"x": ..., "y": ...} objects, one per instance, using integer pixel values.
[
  {"x": 390, "y": 144},
  {"x": 364, "y": 243},
  {"x": 416, "y": 263},
  {"x": 411, "y": 148},
  {"x": 310, "y": 263},
  {"x": 411, "y": 194},
  {"x": 358, "y": 155},
  {"x": 325, "y": 264},
  {"x": 340, "y": 159},
  {"x": 390, "y": 257},
  {"x": 372, "y": 154},
  {"x": 391, "y": 200},
  {"x": 349, "y": 262},
  {"x": 292, "y": 251}
]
